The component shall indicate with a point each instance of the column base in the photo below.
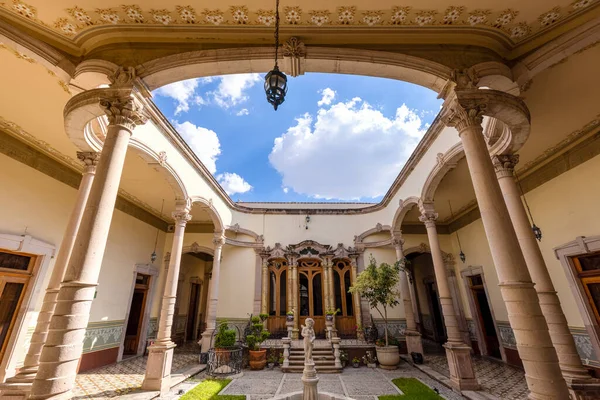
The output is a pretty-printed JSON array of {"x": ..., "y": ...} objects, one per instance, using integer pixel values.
[
  {"x": 582, "y": 389},
  {"x": 15, "y": 391},
  {"x": 295, "y": 333},
  {"x": 462, "y": 374},
  {"x": 414, "y": 344},
  {"x": 158, "y": 369},
  {"x": 206, "y": 339}
]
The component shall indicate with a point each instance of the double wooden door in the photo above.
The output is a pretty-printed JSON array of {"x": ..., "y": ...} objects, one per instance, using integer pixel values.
[{"x": 311, "y": 295}]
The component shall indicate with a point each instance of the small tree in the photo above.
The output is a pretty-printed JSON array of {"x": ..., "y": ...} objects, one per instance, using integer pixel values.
[
  {"x": 378, "y": 285},
  {"x": 257, "y": 333}
]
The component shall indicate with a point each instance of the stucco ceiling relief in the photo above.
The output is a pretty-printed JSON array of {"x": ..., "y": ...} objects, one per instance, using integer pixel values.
[{"x": 77, "y": 19}]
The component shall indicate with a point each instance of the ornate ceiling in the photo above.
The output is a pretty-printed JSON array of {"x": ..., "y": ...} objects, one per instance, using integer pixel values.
[{"x": 516, "y": 21}]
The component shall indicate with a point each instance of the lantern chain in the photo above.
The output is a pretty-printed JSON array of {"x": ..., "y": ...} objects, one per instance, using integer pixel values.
[{"x": 276, "y": 31}]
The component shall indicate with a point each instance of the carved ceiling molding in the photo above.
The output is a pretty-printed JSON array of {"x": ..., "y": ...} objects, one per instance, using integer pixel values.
[
  {"x": 506, "y": 21},
  {"x": 25, "y": 57},
  {"x": 308, "y": 249}
]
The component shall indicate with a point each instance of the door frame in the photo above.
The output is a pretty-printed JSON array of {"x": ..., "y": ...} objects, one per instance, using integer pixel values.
[
  {"x": 16, "y": 345},
  {"x": 195, "y": 280},
  {"x": 430, "y": 280},
  {"x": 476, "y": 317},
  {"x": 565, "y": 253},
  {"x": 145, "y": 269}
]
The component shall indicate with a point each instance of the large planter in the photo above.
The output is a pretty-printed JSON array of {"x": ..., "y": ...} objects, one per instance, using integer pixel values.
[
  {"x": 258, "y": 359},
  {"x": 388, "y": 357}
]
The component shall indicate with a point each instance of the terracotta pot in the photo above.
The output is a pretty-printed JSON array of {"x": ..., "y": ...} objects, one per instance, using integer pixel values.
[
  {"x": 388, "y": 357},
  {"x": 222, "y": 356},
  {"x": 258, "y": 359}
]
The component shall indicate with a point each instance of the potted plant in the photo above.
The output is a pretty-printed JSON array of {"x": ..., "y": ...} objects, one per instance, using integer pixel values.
[
  {"x": 289, "y": 316},
  {"x": 280, "y": 360},
  {"x": 257, "y": 335},
  {"x": 344, "y": 358},
  {"x": 356, "y": 362},
  {"x": 224, "y": 341},
  {"x": 377, "y": 284},
  {"x": 271, "y": 360},
  {"x": 329, "y": 314},
  {"x": 370, "y": 360}
]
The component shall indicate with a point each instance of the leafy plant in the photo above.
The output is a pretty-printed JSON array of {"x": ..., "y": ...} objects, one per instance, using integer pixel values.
[
  {"x": 290, "y": 313},
  {"x": 356, "y": 360},
  {"x": 332, "y": 311},
  {"x": 377, "y": 284},
  {"x": 343, "y": 355},
  {"x": 369, "y": 358},
  {"x": 225, "y": 337},
  {"x": 257, "y": 332}
]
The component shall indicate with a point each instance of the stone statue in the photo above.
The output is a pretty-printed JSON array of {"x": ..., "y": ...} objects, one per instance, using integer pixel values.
[{"x": 308, "y": 333}]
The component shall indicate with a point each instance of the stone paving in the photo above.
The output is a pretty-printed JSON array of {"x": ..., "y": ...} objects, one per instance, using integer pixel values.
[
  {"x": 358, "y": 383},
  {"x": 495, "y": 377},
  {"x": 124, "y": 377}
]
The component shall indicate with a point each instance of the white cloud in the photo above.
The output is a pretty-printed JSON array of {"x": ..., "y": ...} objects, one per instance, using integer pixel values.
[
  {"x": 349, "y": 151},
  {"x": 243, "y": 111},
  {"x": 231, "y": 89},
  {"x": 328, "y": 96},
  {"x": 286, "y": 190},
  {"x": 204, "y": 142},
  {"x": 183, "y": 92},
  {"x": 233, "y": 183}
]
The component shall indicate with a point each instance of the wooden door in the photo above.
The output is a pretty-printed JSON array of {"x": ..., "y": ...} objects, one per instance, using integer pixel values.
[
  {"x": 136, "y": 315},
  {"x": 15, "y": 272},
  {"x": 311, "y": 295},
  {"x": 277, "y": 298},
  {"x": 345, "y": 320},
  {"x": 193, "y": 311},
  {"x": 484, "y": 316},
  {"x": 588, "y": 271}
]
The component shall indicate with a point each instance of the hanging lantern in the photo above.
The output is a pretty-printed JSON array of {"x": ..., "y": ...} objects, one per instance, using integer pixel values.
[
  {"x": 462, "y": 256},
  {"x": 153, "y": 257},
  {"x": 276, "y": 81},
  {"x": 537, "y": 232}
]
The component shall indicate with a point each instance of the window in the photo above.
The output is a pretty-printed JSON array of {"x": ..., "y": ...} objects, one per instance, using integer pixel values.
[{"x": 588, "y": 272}]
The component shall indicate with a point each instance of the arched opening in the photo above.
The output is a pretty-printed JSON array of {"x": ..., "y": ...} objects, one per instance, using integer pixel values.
[
  {"x": 277, "y": 297},
  {"x": 345, "y": 320},
  {"x": 311, "y": 294}
]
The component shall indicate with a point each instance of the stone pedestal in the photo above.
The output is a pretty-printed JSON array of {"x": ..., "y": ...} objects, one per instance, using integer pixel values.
[
  {"x": 158, "y": 369},
  {"x": 211, "y": 308},
  {"x": 336, "y": 351},
  {"x": 310, "y": 380},
  {"x": 286, "y": 351},
  {"x": 462, "y": 375},
  {"x": 290, "y": 327},
  {"x": 414, "y": 344}
]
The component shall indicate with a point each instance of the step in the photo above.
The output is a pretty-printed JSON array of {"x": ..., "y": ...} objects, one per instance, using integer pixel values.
[
  {"x": 320, "y": 369},
  {"x": 301, "y": 358},
  {"x": 317, "y": 362}
]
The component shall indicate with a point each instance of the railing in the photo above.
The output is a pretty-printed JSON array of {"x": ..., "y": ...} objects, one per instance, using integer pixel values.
[{"x": 225, "y": 362}]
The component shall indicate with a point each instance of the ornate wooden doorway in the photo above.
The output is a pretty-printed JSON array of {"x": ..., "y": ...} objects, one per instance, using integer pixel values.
[
  {"x": 311, "y": 294},
  {"x": 345, "y": 321},
  {"x": 277, "y": 298},
  {"x": 136, "y": 314}
]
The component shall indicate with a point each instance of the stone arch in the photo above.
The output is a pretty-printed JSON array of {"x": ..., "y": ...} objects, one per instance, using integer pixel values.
[
  {"x": 196, "y": 248},
  {"x": 377, "y": 229},
  {"x": 445, "y": 163},
  {"x": 177, "y": 67},
  {"x": 212, "y": 211},
  {"x": 403, "y": 208}
]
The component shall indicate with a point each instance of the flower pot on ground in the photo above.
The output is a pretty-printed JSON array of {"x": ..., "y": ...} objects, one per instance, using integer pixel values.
[
  {"x": 356, "y": 362},
  {"x": 377, "y": 284},
  {"x": 388, "y": 356},
  {"x": 224, "y": 341},
  {"x": 257, "y": 334}
]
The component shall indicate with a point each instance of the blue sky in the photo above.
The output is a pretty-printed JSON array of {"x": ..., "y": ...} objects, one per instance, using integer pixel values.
[{"x": 335, "y": 138}]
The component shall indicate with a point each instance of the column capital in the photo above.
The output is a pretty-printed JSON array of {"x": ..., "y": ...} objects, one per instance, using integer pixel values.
[
  {"x": 89, "y": 159},
  {"x": 428, "y": 215},
  {"x": 465, "y": 116},
  {"x": 504, "y": 164},
  {"x": 123, "y": 109},
  {"x": 398, "y": 242},
  {"x": 181, "y": 217},
  {"x": 219, "y": 239}
]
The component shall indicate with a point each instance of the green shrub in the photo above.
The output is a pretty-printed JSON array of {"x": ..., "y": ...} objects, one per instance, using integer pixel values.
[
  {"x": 225, "y": 337},
  {"x": 257, "y": 332}
]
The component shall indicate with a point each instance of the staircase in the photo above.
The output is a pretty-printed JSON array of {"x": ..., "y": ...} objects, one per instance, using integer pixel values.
[{"x": 322, "y": 356}]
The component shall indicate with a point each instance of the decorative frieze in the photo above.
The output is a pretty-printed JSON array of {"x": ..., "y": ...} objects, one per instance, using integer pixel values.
[{"x": 103, "y": 335}]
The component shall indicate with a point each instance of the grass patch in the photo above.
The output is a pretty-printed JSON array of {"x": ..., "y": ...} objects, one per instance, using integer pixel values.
[
  {"x": 209, "y": 390},
  {"x": 413, "y": 389}
]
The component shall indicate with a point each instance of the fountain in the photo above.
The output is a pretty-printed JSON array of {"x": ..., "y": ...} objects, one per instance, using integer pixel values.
[{"x": 309, "y": 374}]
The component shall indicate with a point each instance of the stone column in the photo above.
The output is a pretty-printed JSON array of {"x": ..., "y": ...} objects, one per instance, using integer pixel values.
[
  {"x": 326, "y": 275},
  {"x": 211, "y": 307},
  {"x": 462, "y": 374},
  {"x": 413, "y": 337},
  {"x": 360, "y": 333},
  {"x": 294, "y": 267},
  {"x": 265, "y": 287},
  {"x": 570, "y": 363},
  {"x": 539, "y": 358},
  {"x": 60, "y": 356},
  {"x": 160, "y": 357},
  {"x": 19, "y": 386}
]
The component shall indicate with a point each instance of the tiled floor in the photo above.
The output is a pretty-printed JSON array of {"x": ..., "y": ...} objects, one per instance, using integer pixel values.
[
  {"x": 497, "y": 378},
  {"x": 360, "y": 383},
  {"x": 121, "y": 378}
]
